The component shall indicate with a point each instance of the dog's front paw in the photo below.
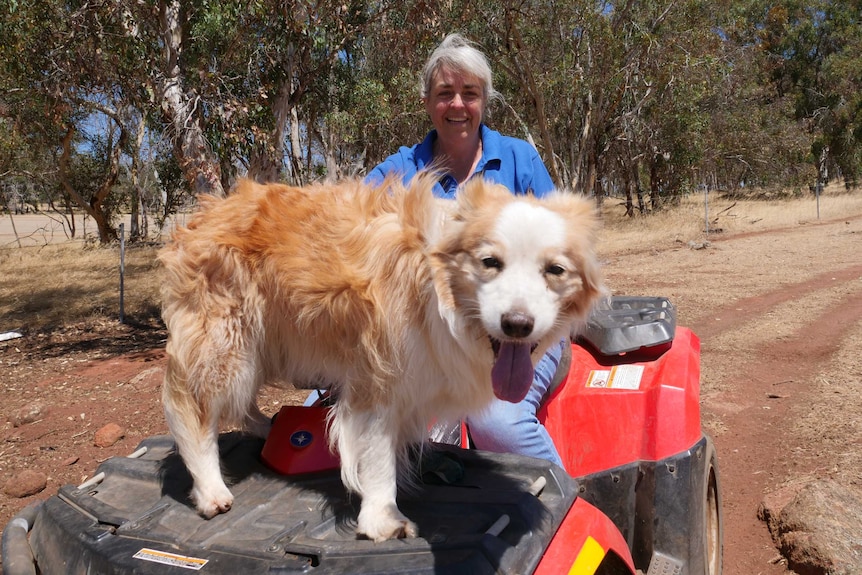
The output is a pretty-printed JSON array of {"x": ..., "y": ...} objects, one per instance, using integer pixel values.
[
  {"x": 380, "y": 524},
  {"x": 211, "y": 502}
]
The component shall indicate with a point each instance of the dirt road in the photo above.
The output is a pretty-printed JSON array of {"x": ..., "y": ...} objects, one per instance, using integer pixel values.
[{"x": 779, "y": 314}]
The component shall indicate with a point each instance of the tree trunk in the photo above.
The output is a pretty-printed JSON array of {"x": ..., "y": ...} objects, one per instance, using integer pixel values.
[
  {"x": 135, "y": 231},
  {"x": 180, "y": 109},
  {"x": 73, "y": 225},
  {"x": 822, "y": 169},
  {"x": 528, "y": 81},
  {"x": 654, "y": 185},
  {"x": 636, "y": 187},
  {"x": 583, "y": 146},
  {"x": 267, "y": 164},
  {"x": 598, "y": 190},
  {"x": 629, "y": 184},
  {"x": 14, "y": 229},
  {"x": 296, "y": 149},
  {"x": 95, "y": 207},
  {"x": 588, "y": 181}
]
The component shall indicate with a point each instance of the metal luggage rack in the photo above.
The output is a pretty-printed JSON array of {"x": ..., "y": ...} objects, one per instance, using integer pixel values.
[{"x": 623, "y": 324}]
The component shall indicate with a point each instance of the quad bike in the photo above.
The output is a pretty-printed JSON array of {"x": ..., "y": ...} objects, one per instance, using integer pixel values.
[{"x": 639, "y": 492}]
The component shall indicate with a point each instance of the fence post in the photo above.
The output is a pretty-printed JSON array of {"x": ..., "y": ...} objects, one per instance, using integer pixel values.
[
  {"x": 122, "y": 270},
  {"x": 706, "y": 209}
]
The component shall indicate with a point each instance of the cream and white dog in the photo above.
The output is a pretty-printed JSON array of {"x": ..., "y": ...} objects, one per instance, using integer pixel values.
[{"x": 412, "y": 307}]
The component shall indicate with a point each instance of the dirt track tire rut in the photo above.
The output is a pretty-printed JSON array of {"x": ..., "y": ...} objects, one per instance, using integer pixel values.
[
  {"x": 776, "y": 312},
  {"x": 771, "y": 385}
]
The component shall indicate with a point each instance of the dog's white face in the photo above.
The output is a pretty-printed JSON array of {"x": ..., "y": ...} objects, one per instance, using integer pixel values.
[{"x": 522, "y": 272}]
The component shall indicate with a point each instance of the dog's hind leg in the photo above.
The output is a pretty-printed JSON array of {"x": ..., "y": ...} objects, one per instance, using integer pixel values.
[
  {"x": 214, "y": 313},
  {"x": 369, "y": 449},
  {"x": 194, "y": 426},
  {"x": 208, "y": 379}
]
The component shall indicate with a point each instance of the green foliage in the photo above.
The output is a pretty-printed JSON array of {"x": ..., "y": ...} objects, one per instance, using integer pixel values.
[
  {"x": 816, "y": 53},
  {"x": 649, "y": 98}
]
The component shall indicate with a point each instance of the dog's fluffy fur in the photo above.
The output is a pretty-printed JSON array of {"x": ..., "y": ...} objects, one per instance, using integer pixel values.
[{"x": 401, "y": 301}]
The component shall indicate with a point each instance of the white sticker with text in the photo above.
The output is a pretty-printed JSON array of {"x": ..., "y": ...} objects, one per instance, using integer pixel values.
[
  {"x": 618, "y": 377},
  {"x": 181, "y": 561}
]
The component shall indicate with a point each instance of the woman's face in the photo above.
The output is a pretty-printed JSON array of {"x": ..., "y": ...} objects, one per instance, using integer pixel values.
[{"x": 455, "y": 103}]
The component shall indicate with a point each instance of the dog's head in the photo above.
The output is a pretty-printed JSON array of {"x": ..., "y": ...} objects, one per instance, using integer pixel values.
[{"x": 517, "y": 272}]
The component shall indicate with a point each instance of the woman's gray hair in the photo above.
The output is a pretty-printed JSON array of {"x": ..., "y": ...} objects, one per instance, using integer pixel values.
[{"x": 460, "y": 55}]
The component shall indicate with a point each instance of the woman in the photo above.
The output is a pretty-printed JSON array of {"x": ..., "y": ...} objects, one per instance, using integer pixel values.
[{"x": 456, "y": 88}]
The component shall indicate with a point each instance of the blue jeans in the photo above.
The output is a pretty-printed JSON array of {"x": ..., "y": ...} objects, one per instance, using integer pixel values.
[{"x": 505, "y": 427}]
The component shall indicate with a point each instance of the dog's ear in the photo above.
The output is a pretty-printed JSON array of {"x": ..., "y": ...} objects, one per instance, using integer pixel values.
[
  {"x": 582, "y": 224},
  {"x": 433, "y": 219},
  {"x": 592, "y": 284},
  {"x": 419, "y": 211},
  {"x": 470, "y": 196},
  {"x": 479, "y": 192},
  {"x": 442, "y": 262}
]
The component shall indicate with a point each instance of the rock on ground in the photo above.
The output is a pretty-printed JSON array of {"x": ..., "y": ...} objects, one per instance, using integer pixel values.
[
  {"x": 109, "y": 435},
  {"x": 29, "y": 413},
  {"x": 817, "y": 526},
  {"x": 26, "y": 483}
]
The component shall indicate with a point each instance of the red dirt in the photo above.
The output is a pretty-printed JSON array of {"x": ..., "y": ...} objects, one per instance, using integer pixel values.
[{"x": 779, "y": 314}]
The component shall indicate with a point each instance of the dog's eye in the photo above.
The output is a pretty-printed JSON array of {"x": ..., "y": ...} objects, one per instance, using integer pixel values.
[
  {"x": 555, "y": 270},
  {"x": 491, "y": 262}
]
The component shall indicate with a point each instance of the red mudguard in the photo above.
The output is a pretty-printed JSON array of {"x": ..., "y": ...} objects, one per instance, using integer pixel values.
[
  {"x": 585, "y": 542},
  {"x": 297, "y": 443},
  {"x": 613, "y": 411}
]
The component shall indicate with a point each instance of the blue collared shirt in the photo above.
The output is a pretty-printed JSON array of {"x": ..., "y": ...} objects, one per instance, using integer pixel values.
[{"x": 505, "y": 160}]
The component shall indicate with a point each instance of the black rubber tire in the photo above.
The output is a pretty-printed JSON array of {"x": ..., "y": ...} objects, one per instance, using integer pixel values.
[{"x": 712, "y": 523}]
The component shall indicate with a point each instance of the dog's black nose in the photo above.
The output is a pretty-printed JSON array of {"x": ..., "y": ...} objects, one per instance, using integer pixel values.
[{"x": 516, "y": 324}]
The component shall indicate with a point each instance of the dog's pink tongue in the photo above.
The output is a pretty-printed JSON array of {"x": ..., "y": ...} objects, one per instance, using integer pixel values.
[{"x": 512, "y": 373}]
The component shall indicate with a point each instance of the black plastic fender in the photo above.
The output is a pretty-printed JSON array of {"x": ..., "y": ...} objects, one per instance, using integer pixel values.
[{"x": 668, "y": 511}]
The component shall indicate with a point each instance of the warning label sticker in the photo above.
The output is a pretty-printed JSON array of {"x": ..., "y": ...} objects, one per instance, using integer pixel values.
[
  {"x": 181, "y": 561},
  {"x": 618, "y": 377}
]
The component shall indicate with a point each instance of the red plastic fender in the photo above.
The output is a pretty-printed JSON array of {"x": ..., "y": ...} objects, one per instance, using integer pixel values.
[
  {"x": 297, "y": 442},
  {"x": 612, "y": 411},
  {"x": 582, "y": 542}
]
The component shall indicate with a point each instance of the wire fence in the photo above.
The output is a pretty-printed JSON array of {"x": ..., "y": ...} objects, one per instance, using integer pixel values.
[{"x": 40, "y": 229}]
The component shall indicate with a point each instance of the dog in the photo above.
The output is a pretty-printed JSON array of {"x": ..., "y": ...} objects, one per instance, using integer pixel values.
[{"x": 412, "y": 307}]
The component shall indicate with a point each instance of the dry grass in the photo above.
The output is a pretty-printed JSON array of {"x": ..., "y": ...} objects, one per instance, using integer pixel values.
[
  {"x": 687, "y": 222},
  {"x": 64, "y": 284},
  {"x": 55, "y": 285}
]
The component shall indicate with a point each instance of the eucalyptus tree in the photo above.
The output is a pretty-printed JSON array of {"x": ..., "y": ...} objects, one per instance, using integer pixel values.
[
  {"x": 234, "y": 87},
  {"x": 604, "y": 88},
  {"x": 751, "y": 140},
  {"x": 233, "y": 80},
  {"x": 815, "y": 56},
  {"x": 383, "y": 109},
  {"x": 57, "y": 59},
  {"x": 267, "y": 73}
]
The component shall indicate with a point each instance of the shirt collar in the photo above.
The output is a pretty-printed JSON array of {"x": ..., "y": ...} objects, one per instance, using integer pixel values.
[
  {"x": 491, "y": 149},
  {"x": 491, "y": 156},
  {"x": 424, "y": 154}
]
